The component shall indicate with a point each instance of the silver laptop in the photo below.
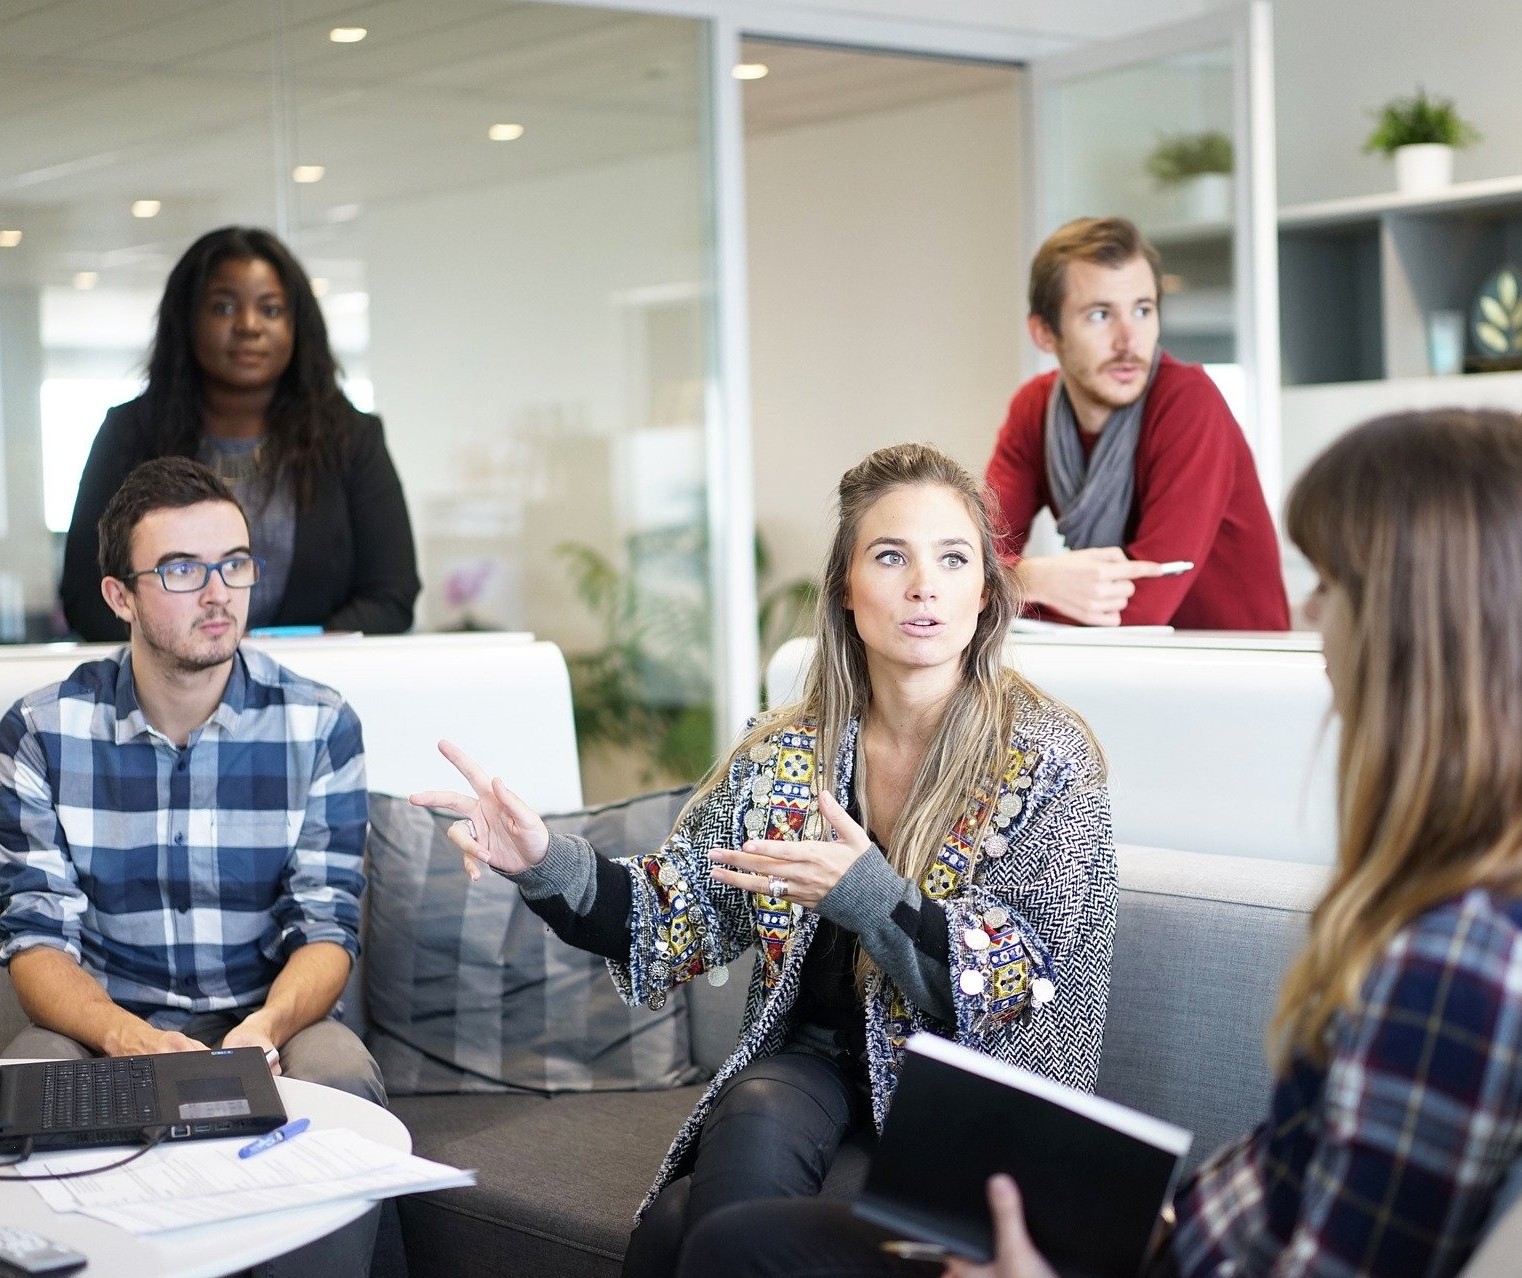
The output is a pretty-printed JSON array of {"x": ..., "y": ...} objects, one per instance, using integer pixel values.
[{"x": 124, "y": 1100}]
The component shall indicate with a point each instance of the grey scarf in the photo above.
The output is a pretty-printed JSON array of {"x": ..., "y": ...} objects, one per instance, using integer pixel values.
[{"x": 1093, "y": 494}]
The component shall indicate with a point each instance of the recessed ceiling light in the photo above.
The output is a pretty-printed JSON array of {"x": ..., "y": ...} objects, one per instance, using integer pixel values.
[
  {"x": 320, "y": 286},
  {"x": 308, "y": 173},
  {"x": 9, "y": 239},
  {"x": 85, "y": 280},
  {"x": 343, "y": 213},
  {"x": 347, "y": 35},
  {"x": 146, "y": 208},
  {"x": 505, "y": 132},
  {"x": 750, "y": 70}
]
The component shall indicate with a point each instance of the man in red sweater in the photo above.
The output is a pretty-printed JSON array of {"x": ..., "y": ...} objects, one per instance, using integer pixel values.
[{"x": 1135, "y": 454}]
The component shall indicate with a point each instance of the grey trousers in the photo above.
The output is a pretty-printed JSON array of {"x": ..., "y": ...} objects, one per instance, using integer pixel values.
[{"x": 326, "y": 1053}]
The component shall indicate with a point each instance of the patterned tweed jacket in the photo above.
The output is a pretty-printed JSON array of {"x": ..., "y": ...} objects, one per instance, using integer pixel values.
[{"x": 1031, "y": 914}]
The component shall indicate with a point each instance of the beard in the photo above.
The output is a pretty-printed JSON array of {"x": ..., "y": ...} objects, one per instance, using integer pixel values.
[{"x": 190, "y": 650}]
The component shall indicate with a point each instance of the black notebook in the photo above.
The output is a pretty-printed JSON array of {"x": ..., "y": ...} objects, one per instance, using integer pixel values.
[{"x": 1093, "y": 1174}]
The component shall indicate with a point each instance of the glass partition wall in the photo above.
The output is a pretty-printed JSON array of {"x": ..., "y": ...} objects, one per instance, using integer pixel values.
[{"x": 505, "y": 208}]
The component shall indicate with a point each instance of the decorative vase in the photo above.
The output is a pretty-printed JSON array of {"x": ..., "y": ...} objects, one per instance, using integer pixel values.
[
  {"x": 1207, "y": 197},
  {"x": 1423, "y": 167}
]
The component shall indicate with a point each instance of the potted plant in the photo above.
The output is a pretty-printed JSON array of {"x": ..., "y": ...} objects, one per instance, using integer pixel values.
[
  {"x": 1201, "y": 165},
  {"x": 1422, "y": 134}
]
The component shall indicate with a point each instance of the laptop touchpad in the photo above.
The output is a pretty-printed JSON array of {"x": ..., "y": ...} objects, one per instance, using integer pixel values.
[{"x": 210, "y": 1098}]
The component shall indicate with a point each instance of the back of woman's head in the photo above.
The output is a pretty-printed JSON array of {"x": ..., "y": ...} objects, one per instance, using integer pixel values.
[
  {"x": 308, "y": 388},
  {"x": 901, "y": 466},
  {"x": 1416, "y": 519}
]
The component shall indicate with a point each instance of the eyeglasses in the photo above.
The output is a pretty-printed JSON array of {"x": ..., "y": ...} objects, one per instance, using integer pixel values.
[{"x": 185, "y": 576}]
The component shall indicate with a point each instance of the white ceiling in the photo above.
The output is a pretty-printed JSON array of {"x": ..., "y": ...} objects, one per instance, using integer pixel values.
[{"x": 109, "y": 101}]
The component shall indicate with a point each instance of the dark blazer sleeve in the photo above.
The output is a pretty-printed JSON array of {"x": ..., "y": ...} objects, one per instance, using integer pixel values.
[
  {"x": 354, "y": 566},
  {"x": 120, "y": 444}
]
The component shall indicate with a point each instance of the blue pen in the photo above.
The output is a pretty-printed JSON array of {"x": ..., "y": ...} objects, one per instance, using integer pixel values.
[{"x": 270, "y": 1139}]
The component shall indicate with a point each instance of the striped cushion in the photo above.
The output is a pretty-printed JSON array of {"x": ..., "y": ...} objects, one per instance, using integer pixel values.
[{"x": 468, "y": 991}]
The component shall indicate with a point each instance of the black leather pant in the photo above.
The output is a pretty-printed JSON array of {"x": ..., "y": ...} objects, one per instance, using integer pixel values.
[{"x": 773, "y": 1132}]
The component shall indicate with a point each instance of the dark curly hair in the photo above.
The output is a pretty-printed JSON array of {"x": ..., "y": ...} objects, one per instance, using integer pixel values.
[{"x": 308, "y": 415}]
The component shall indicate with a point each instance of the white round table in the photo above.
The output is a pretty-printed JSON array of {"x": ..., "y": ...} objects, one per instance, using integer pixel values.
[{"x": 208, "y": 1251}]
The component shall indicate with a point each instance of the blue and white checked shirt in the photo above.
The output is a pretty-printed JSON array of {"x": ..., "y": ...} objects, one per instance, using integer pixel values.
[
  {"x": 181, "y": 879},
  {"x": 1387, "y": 1161}
]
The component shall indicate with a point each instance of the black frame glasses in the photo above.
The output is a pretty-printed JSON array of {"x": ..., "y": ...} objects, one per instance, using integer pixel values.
[{"x": 176, "y": 578}]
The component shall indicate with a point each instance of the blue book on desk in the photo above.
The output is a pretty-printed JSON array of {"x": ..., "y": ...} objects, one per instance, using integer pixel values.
[{"x": 1094, "y": 1175}]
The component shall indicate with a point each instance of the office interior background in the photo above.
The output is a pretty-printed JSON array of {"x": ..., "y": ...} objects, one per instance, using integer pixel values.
[{"x": 626, "y": 316}]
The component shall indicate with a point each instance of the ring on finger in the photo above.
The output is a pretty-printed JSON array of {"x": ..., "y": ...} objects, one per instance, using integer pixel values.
[
  {"x": 470, "y": 827},
  {"x": 776, "y": 887}
]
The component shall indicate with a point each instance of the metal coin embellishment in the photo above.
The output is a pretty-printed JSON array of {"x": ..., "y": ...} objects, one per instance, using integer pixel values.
[
  {"x": 1042, "y": 991},
  {"x": 668, "y": 874},
  {"x": 976, "y": 938},
  {"x": 972, "y": 982},
  {"x": 718, "y": 975}
]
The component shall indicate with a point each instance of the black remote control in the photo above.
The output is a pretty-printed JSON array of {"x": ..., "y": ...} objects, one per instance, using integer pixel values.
[{"x": 27, "y": 1255}]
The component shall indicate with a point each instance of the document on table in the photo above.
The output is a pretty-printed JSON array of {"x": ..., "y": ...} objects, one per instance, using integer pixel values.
[{"x": 201, "y": 1182}]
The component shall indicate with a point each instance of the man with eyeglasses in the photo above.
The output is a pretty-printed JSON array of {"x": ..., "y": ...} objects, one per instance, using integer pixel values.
[{"x": 182, "y": 824}]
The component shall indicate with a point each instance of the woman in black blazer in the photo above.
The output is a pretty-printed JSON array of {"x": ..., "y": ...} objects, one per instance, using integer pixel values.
[{"x": 241, "y": 377}]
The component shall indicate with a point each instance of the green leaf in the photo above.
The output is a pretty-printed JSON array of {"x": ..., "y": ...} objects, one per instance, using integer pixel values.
[
  {"x": 1506, "y": 289},
  {"x": 1405, "y": 121}
]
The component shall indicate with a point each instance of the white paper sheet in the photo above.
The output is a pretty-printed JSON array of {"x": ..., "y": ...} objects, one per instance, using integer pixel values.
[{"x": 205, "y": 1181}]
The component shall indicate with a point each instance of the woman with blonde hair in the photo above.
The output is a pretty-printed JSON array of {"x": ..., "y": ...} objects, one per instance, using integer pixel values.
[
  {"x": 921, "y": 842},
  {"x": 1397, "y": 1041}
]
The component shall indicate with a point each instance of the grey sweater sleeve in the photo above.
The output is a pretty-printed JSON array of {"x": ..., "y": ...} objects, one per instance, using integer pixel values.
[
  {"x": 902, "y": 930},
  {"x": 585, "y": 898}
]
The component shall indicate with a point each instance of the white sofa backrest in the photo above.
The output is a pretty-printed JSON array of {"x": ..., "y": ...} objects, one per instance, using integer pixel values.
[
  {"x": 1213, "y": 746},
  {"x": 503, "y": 697}
]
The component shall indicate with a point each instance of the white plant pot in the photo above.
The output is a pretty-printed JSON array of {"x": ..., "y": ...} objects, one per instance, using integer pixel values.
[
  {"x": 1423, "y": 167},
  {"x": 1207, "y": 197}
]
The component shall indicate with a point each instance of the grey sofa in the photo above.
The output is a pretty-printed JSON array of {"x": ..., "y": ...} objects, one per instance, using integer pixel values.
[
  {"x": 1201, "y": 945},
  {"x": 1202, "y": 941}
]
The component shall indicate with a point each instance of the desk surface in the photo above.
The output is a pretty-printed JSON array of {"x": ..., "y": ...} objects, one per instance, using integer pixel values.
[{"x": 208, "y": 1251}]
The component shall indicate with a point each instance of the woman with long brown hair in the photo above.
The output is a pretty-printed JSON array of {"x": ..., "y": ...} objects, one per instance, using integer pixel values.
[
  {"x": 1397, "y": 1041},
  {"x": 921, "y": 842}
]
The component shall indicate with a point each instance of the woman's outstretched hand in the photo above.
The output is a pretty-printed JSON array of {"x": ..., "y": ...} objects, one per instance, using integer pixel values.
[
  {"x": 496, "y": 828},
  {"x": 1015, "y": 1256},
  {"x": 805, "y": 870}
]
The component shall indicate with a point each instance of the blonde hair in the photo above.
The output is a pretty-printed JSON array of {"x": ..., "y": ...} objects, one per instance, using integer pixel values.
[
  {"x": 1417, "y": 519},
  {"x": 971, "y": 743}
]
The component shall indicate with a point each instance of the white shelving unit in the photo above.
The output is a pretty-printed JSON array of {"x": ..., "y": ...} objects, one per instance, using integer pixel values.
[{"x": 1359, "y": 277}]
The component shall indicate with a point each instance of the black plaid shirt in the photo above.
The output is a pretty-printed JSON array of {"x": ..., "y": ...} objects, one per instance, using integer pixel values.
[{"x": 1386, "y": 1162}]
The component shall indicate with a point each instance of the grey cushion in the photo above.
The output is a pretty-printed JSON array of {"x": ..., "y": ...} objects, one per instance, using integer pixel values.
[
  {"x": 1201, "y": 944},
  {"x": 558, "y": 1179},
  {"x": 467, "y": 991}
]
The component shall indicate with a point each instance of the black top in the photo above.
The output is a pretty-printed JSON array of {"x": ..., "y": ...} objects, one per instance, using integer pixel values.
[{"x": 353, "y": 566}]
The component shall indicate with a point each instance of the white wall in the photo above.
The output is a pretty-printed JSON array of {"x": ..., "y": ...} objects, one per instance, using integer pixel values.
[
  {"x": 26, "y": 552},
  {"x": 1336, "y": 63},
  {"x": 886, "y": 299}
]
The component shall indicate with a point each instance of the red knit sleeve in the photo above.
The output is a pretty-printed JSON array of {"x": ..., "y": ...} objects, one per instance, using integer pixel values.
[
  {"x": 1017, "y": 470},
  {"x": 1185, "y": 474}
]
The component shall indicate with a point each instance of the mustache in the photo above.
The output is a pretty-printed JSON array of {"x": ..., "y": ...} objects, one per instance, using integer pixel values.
[{"x": 216, "y": 614}]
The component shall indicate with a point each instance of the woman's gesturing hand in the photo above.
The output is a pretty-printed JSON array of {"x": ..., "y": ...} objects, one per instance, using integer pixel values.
[
  {"x": 496, "y": 827},
  {"x": 803, "y": 871}
]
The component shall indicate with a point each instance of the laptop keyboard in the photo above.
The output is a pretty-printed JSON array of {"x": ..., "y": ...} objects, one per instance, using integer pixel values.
[{"x": 98, "y": 1093}]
